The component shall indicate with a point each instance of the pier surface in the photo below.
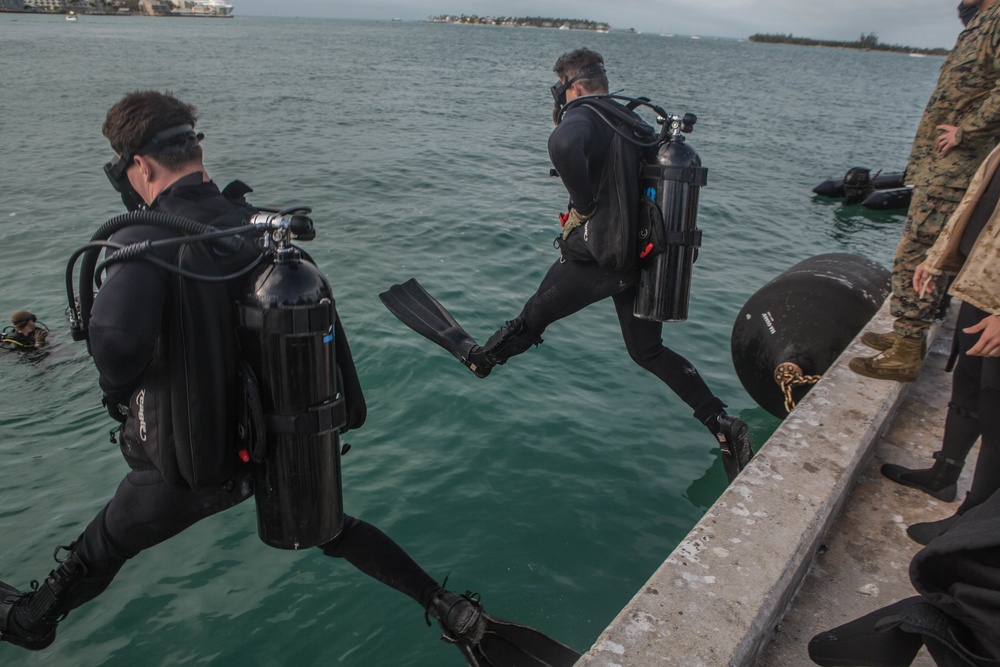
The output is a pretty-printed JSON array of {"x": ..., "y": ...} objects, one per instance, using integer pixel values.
[{"x": 810, "y": 535}]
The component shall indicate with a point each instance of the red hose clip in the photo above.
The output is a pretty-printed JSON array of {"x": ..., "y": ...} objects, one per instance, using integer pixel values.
[
  {"x": 649, "y": 249},
  {"x": 563, "y": 217},
  {"x": 244, "y": 455}
]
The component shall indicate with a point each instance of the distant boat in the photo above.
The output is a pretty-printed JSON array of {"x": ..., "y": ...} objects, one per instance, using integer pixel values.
[
  {"x": 695, "y": 37},
  {"x": 397, "y": 19},
  {"x": 564, "y": 27},
  {"x": 71, "y": 16},
  {"x": 918, "y": 55}
]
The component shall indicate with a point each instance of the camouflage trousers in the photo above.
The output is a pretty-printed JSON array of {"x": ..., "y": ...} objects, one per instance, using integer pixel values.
[{"x": 924, "y": 221}]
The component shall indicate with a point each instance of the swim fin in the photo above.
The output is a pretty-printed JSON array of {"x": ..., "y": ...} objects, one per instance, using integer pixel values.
[
  {"x": 506, "y": 644},
  {"x": 418, "y": 310},
  {"x": 486, "y": 641}
]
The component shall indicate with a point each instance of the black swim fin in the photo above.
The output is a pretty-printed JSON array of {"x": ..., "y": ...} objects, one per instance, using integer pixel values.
[
  {"x": 486, "y": 641},
  {"x": 506, "y": 644},
  {"x": 418, "y": 310}
]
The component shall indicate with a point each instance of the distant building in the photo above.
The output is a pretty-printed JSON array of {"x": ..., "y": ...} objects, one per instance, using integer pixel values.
[
  {"x": 215, "y": 8},
  {"x": 201, "y": 8},
  {"x": 59, "y": 6}
]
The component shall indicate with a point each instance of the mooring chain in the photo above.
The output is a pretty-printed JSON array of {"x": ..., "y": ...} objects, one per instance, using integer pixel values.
[{"x": 789, "y": 375}]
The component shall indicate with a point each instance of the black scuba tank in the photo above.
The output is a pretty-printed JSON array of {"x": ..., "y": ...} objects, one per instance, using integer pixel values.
[
  {"x": 670, "y": 200},
  {"x": 287, "y": 321}
]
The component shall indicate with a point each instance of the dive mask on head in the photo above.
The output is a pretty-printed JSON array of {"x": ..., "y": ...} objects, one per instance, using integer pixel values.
[
  {"x": 170, "y": 140},
  {"x": 588, "y": 72},
  {"x": 967, "y": 12}
]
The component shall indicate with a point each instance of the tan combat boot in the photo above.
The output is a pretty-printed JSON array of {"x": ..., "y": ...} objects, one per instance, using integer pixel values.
[
  {"x": 879, "y": 341},
  {"x": 901, "y": 362}
]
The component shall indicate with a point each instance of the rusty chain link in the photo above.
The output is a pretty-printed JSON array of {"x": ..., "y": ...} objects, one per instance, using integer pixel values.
[{"x": 789, "y": 375}]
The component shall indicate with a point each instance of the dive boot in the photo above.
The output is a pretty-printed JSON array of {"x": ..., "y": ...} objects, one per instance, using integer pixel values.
[
  {"x": 901, "y": 362},
  {"x": 923, "y": 533},
  {"x": 29, "y": 619},
  {"x": 508, "y": 341},
  {"x": 486, "y": 641},
  {"x": 878, "y": 639},
  {"x": 879, "y": 341},
  {"x": 939, "y": 481},
  {"x": 733, "y": 435}
]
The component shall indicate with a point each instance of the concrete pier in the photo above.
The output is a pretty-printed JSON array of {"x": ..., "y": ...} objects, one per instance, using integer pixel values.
[{"x": 808, "y": 537}]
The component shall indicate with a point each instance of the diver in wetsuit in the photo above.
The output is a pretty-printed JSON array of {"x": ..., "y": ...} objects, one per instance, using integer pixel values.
[
  {"x": 25, "y": 333},
  {"x": 166, "y": 349},
  {"x": 595, "y": 171}
]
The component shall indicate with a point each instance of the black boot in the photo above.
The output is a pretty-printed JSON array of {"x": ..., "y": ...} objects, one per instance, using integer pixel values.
[
  {"x": 923, "y": 533},
  {"x": 508, "y": 341},
  {"x": 733, "y": 435},
  {"x": 940, "y": 480},
  {"x": 961, "y": 430},
  {"x": 487, "y": 641},
  {"x": 29, "y": 619},
  {"x": 460, "y": 616},
  {"x": 878, "y": 639}
]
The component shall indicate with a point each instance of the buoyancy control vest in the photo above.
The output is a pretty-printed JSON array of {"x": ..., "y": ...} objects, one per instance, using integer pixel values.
[{"x": 652, "y": 182}]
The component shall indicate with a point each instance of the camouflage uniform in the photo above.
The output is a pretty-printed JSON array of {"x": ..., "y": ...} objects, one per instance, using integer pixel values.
[
  {"x": 967, "y": 96},
  {"x": 978, "y": 276}
]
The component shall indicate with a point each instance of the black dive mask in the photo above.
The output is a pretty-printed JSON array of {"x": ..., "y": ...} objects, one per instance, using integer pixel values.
[
  {"x": 967, "y": 12},
  {"x": 588, "y": 72},
  {"x": 170, "y": 140}
]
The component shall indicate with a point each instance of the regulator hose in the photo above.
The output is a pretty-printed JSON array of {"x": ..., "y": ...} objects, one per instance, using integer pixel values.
[{"x": 191, "y": 230}]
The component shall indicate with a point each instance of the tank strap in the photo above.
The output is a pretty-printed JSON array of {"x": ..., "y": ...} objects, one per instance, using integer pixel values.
[
  {"x": 689, "y": 237},
  {"x": 330, "y": 416},
  {"x": 313, "y": 318},
  {"x": 693, "y": 175}
]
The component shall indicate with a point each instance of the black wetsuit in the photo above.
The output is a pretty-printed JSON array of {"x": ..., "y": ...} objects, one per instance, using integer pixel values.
[
  {"x": 131, "y": 329},
  {"x": 976, "y": 380},
  {"x": 578, "y": 148}
]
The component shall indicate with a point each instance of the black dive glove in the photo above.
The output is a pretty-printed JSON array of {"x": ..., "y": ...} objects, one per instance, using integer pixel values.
[{"x": 117, "y": 405}]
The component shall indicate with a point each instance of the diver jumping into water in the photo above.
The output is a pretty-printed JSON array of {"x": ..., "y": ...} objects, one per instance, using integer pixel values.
[
  {"x": 165, "y": 336},
  {"x": 600, "y": 175}
]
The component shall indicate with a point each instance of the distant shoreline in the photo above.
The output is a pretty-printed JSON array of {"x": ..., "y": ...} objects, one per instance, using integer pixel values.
[
  {"x": 866, "y": 43},
  {"x": 523, "y": 22}
]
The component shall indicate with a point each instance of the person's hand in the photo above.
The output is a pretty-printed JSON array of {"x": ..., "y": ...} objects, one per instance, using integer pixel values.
[
  {"x": 117, "y": 405},
  {"x": 573, "y": 220},
  {"x": 948, "y": 138},
  {"x": 923, "y": 280},
  {"x": 988, "y": 344},
  {"x": 40, "y": 336}
]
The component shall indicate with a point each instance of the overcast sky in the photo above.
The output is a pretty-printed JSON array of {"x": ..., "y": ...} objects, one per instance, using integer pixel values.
[{"x": 922, "y": 23}]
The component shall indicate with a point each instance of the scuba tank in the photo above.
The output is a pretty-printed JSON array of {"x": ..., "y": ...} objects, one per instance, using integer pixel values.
[
  {"x": 287, "y": 330},
  {"x": 670, "y": 200}
]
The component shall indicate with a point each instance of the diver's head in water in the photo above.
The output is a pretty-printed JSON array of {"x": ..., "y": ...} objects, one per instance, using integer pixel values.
[
  {"x": 580, "y": 72},
  {"x": 23, "y": 321},
  {"x": 155, "y": 143}
]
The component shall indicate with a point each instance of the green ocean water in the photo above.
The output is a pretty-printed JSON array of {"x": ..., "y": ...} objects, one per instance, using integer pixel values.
[{"x": 555, "y": 487}]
